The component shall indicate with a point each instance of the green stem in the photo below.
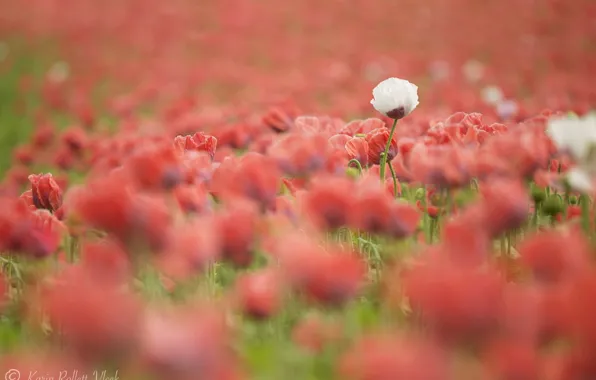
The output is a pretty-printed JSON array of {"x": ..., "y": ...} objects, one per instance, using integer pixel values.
[
  {"x": 383, "y": 162},
  {"x": 535, "y": 215},
  {"x": 358, "y": 165},
  {"x": 72, "y": 249},
  {"x": 585, "y": 206},
  {"x": 394, "y": 180}
]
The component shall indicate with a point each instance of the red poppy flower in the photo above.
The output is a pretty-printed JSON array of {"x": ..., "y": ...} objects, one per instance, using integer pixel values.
[
  {"x": 357, "y": 149},
  {"x": 553, "y": 256},
  {"x": 329, "y": 201},
  {"x": 280, "y": 119},
  {"x": 237, "y": 226},
  {"x": 95, "y": 320},
  {"x": 377, "y": 141},
  {"x": 388, "y": 357},
  {"x": 185, "y": 343},
  {"x": 440, "y": 292},
  {"x": 510, "y": 359},
  {"x": 299, "y": 155},
  {"x": 155, "y": 168},
  {"x": 45, "y": 192},
  {"x": 331, "y": 277},
  {"x": 376, "y": 211},
  {"x": 356, "y": 127},
  {"x": 259, "y": 294},
  {"x": 107, "y": 261},
  {"x": 252, "y": 176},
  {"x": 189, "y": 248},
  {"x": 198, "y": 142}
]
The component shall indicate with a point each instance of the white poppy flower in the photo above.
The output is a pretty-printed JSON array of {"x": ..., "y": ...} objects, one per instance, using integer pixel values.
[
  {"x": 473, "y": 70},
  {"x": 492, "y": 95},
  {"x": 395, "y": 97},
  {"x": 506, "y": 109},
  {"x": 579, "y": 180},
  {"x": 576, "y": 136}
]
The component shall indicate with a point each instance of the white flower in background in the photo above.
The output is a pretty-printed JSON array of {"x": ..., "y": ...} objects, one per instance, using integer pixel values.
[
  {"x": 506, "y": 109},
  {"x": 492, "y": 95},
  {"x": 439, "y": 70},
  {"x": 573, "y": 135},
  {"x": 578, "y": 138},
  {"x": 579, "y": 180},
  {"x": 59, "y": 72},
  {"x": 4, "y": 50},
  {"x": 395, "y": 98},
  {"x": 473, "y": 70}
]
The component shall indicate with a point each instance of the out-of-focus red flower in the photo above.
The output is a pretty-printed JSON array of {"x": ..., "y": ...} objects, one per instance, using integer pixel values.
[
  {"x": 186, "y": 343},
  {"x": 259, "y": 294},
  {"x": 192, "y": 198},
  {"x": 75, "y": 139},
  {"x": 440, "y": 291},
  {"x": 506, "y": 205},
  {"x": 299, "y": 154},
  {"x": 356, "y": 127},
  {"x": 328, "y": 202},
  {"x": 321, "y": 126},
  {"x": 94, "y": 320},
  {"x": 554, "y": 256},
  {"x": 253, "y": 176},
  {"x": 64, "y": 159},
  {"x": 465, "y": 241},
  {"x": 155, "y": 168},
  {"x": 280, "y": 119},
  {"x": 24, "y": 155},
  {"x": 31, "y": 233},
  {"x": 237, "y": 226},
  {"x": 189, "y": 248},
  {"x": 111, "y": 205},
  {"x": 43, "y": 136},
  {"x": 440, "y": 165},
  {"x": 513, "y": 359},
  {"x": 578, "y": 309},
  {"x": 375, "y": 211},
  {"x": 389, "y": 357},
  {"x": 325, "y": 276},
  {"x": 45, "y": 192},
  {"x": 107, "y": 261}
]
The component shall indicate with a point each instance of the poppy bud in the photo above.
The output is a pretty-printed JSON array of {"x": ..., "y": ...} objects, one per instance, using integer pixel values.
[
  {"x": 45, "y": 192},
  {"x": 538, "y": 195},
  {"x": 352, "y": 172},
  {"x": 553, "y": 205}
]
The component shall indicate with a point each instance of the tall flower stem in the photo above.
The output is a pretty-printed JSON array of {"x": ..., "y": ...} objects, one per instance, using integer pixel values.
[
  {"x": 356, "y": 163},
  {"x": 394, "y": 179},
  {"x": 585, "y": 216},
  {"x": 386, "y": 153}
]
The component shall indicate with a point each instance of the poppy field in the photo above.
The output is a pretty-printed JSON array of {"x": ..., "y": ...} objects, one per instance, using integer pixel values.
[{"x": 359, "y": 190}]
